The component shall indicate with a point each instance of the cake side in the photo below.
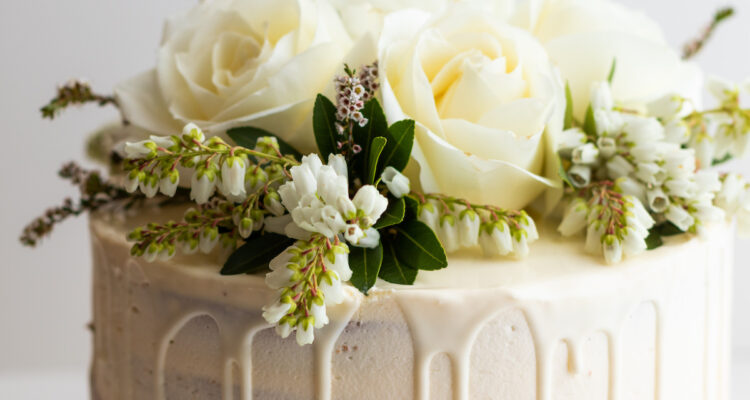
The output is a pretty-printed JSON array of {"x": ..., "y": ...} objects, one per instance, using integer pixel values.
[{"x": 656, "y": 328}]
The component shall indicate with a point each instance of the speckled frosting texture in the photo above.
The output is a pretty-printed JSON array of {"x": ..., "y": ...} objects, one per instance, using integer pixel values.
[{"x": 558, "y": 325}]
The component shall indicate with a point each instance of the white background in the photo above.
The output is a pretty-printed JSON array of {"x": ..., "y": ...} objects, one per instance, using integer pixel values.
[{"x": 45, "y": 293}]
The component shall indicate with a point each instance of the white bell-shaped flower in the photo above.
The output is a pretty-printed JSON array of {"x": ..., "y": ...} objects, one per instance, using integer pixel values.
[
  {"x": 369, "y": 201},
  {"x": 398, "y": 184},
  {"x": 575, "y": 218},
  {"x": 233, "y": 176},
  {"x": 202, "y": 187},
  {"x": 469, "y": 224},
  {"x": 601, "y": 96}
]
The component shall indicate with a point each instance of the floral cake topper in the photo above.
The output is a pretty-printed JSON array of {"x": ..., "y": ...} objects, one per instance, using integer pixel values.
[{"x": 470, "y": 118}]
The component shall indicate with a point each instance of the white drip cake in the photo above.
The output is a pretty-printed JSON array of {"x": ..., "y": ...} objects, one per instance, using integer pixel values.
[
  {"x": 557, "y": 325},
  {"x": 328, "y": 199}
]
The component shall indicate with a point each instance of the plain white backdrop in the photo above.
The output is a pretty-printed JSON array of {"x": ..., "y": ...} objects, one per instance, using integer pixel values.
[{"x": 45, "y": 293}]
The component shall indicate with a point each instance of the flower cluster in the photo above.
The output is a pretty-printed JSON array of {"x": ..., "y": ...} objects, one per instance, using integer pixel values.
[
  {"x": 645, "y": 156},
  {"x": 308, "y": 277},
  {"x": 318, "y": 200},
  {"x": 460, "y": 224},
  {"x": 352, "y": 91},
  {"x": 154, "y": 165},
  {"x": 615, "y": 224},
  {"x": 723, "y": 132},
  {"x": 201, "y": 229},
  {"x": 734, "y": 199}
]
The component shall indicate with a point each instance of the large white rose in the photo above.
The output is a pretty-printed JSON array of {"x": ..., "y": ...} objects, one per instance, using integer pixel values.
[
  {"x": 361, "y": 16},
  {"x": 583, "y": 37},
  {"x": 228, "y": 63},
  {"x": 486, "y": 100}
]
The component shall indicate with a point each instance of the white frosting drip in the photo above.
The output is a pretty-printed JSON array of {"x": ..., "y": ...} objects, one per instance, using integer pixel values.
[{"x": 565, "y": 298}]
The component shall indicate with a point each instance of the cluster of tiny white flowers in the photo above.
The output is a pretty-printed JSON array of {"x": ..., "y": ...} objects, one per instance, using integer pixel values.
[
  {"x": 157, "y": 164},
  {"x": 318, "y": 200},
  {"x": 724, "y": 131},
  {"x": 615, "y": 225},
  {"x": 350, "y": 99},
  {"x": 352, "y": 92},
  {"x": 461, "y": 225},
  {"x": 646, "y": 157},
  {"x": 734, "y": 199},
  {"x": 308, "y": 277}
]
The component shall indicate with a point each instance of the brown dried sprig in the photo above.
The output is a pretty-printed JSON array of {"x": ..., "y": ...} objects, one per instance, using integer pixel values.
[
  {"x": 95, "y": 193},
  {"x": 74, "y": 93},
  {"x": 694, "y": 46}
]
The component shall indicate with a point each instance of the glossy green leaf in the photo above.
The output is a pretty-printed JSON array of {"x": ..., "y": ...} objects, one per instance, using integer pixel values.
[
  {"x": 376, "y": 125},
  {"x": 654, "y": 240},
  {"x": 589, "y": 124},
  {"x": 418, "y": 246},
  {"x": 365, "y": 265},
  {"x": 393, "y": 270},
  {"x": 247, "y": 137},
  {"x": 612, "y": 71},
  {"x": 397, "y": 152},
  {"x": 412, "y": 208},
  {"x": 365, "y": 135},
  {"x": 324, "y": 126},
  {"x": 256, "y": 253},
  {"x": 376, "y": 148},
  {"x": 393, "y": 215},
  {"x": 568, "y": 107},
  {"x": 563, "y": 173}
]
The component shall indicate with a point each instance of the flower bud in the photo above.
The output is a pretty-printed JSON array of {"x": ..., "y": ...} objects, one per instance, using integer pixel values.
[
  {"x": 150, "y": 186},
  {"x": 233, "y": 175},
  {"x": 272, "y": 203},
  {"x": 468, "y": 228},
  {"x": 580, "y": 175},
  {"x": 601, "y": 96},
  {"x": 192, "y": 132},
  {"x": 397, "y": 183},
  {"x": 679, "y": 217},
  {"x": 612, "y": 249},
  {"x": 585, "y": 154},
  {"x": 208, "y": 239},
  {"x": 169, "y": 182}
]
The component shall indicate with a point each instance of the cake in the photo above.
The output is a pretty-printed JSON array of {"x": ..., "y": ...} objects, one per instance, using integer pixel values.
[
  {"x": 441, "y": 199},
  {"x": 556, "y": 325}
]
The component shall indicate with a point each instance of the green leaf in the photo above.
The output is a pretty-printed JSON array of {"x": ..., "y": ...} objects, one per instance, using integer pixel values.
[
  {"x": 412, "y": 208},
  {"x": 247, "y": 137},
  {"x": 722, "y": 160},
  {"x": 589, "y": 124},
  {"x": 612, "y": 71},
  {"x": 393, "y": 215},
  {"x": 324, "y": 126},
  {"x": 397, "y": 152},
  {"x": 654, "y": 240},
  {"x": 667, "y": 229},
  {"x": 364, "y": 135},
  {"x": 418, "y": 246},
  {"x": 376, "y": 147},
  {"x": 563, "y": 173},
  {"x": 393, "y": 270},
  {"x": 365, "y": 265},
  {"x": 568, "y": 107},
  {"x": 256, "y": 253},
  {"x": 376, "y": 125}
]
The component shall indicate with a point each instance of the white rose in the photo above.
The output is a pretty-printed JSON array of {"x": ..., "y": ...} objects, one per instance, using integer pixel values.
[
  {"x": 229, "y": 63},
  {"x": 583, "y": 37},
  {"x": 361, "y": 16},
  {"x": 485, "y": 98}
]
